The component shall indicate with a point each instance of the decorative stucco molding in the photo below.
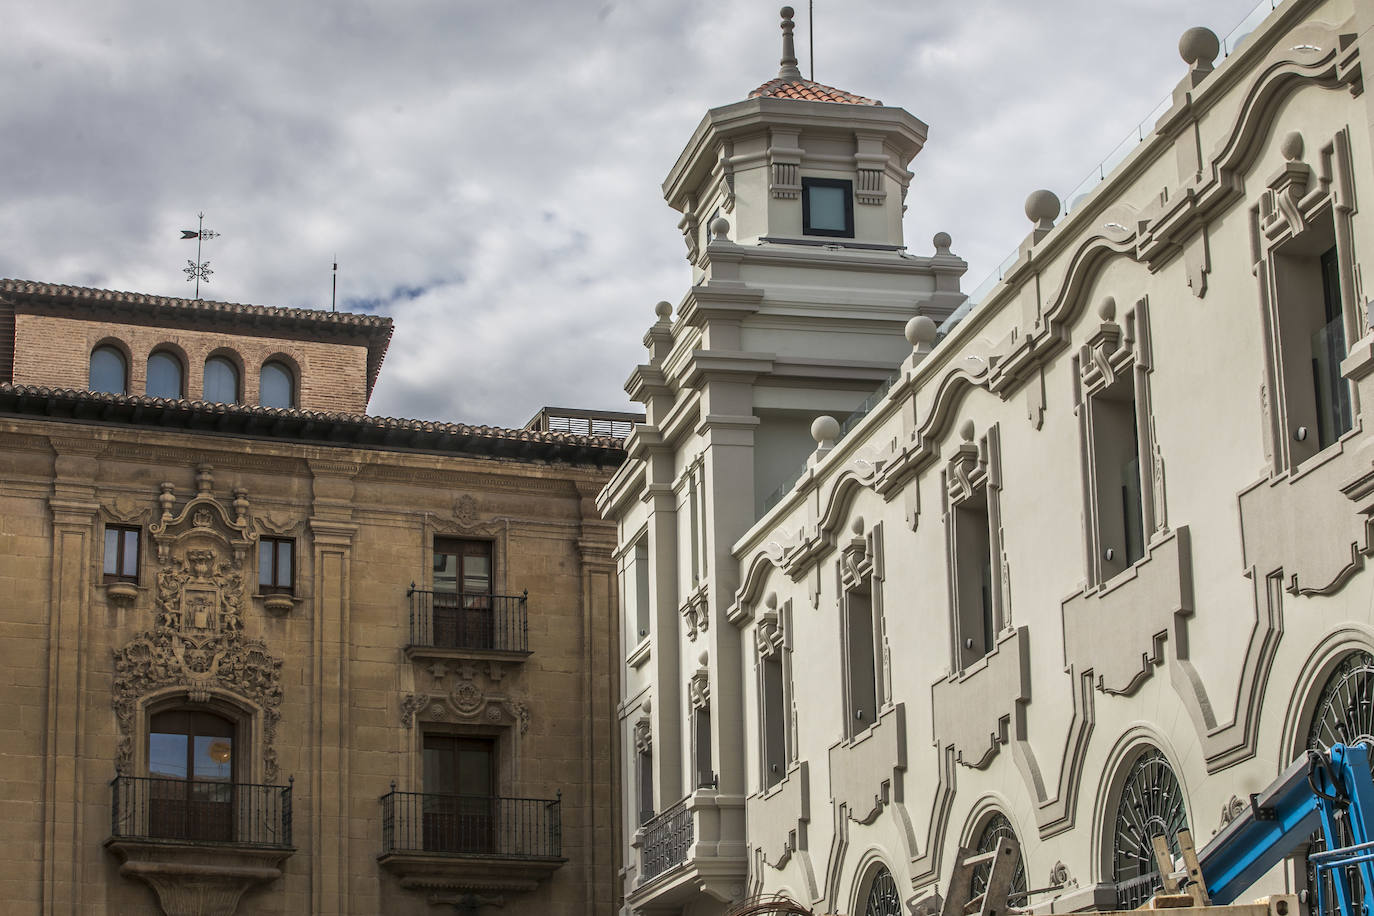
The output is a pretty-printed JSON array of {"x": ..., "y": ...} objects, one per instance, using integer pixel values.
[
  {"x": 866, "y": 773},
  {"x": 979, "y": 711}
]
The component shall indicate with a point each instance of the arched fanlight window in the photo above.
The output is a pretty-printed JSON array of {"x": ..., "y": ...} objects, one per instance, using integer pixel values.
[
  {"x": 276, "y": 386},
  {"x": 221, "y": 381},
  {"x": 994, "y": 830},
  {"x": 883, "y": 897},
  {"x": 1344, "y": 715},
  {"x": 109, "y": 370},
  {"x": 1150, "y": 804},
  {"x": 165, "y": 376}
]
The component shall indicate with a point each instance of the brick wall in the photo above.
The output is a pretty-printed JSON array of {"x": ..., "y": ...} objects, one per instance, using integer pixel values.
[{"x": 56, "y": 352}]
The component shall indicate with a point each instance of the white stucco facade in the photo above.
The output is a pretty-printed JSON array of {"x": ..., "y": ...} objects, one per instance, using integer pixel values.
[{"x": 1103, "y": 534}]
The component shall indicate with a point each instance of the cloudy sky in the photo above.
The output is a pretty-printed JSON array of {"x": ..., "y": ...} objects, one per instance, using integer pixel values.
[{"x": 488, "y": 173}]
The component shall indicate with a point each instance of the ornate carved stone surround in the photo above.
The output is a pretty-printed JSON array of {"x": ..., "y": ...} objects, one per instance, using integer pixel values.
[{"x": 196, "y": 650}]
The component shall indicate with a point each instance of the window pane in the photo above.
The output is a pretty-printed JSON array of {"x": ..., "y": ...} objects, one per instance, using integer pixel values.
[
  {"x": 827, "y": 208},
  {"x": 265, "y": 562},
  {"x": 164, "y": 376},
  {"x": 476, "y": 574},
  {"x": 445, "y": 572},
  {"x": 214, "y": 758},
  {"x": 130, "y": 557},
  {"x": 275, "y": 386},
  {"x": 284, "y": 551},
  {"x": 221, "y": 381},
  {"x": 167, "y": 755},
  {"x": 107, "y": 370},
  {"x": 111, "y": 551}
]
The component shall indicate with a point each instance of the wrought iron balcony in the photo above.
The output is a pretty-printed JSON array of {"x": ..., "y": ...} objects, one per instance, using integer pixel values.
[
  {"x": 469, "y": 623},
  {"x": 189, "y": 811},
  {"x": 667, "y": 837},
  {"x": 465, "y": 842}
]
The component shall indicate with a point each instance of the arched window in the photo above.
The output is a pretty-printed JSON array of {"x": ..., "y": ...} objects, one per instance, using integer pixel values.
[
  {"x": 1344, "y": 715},
  {"x": 993, "y": 831},
  {"x": 165, "y": 376},
  {"x": 109, "y": 370},
  {"x": 221, "y": 381},
  {"x": 191, "y": 775},
  {"x": 883, "y": 898},
  {"x": 1150, "y": 804},
  {"x": 276, "y": 386}
]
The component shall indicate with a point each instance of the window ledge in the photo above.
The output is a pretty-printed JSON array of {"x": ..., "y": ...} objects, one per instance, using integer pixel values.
[
  {"x": 639, "y": 654},
  {"x": 277, "y": 604},
  {"x": 121, "y": 594}
]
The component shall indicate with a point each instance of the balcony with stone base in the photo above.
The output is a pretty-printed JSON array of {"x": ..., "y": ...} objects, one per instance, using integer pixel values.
[
  {"x": 199, "y": 845},
  {"x": 693, "y": 848}
]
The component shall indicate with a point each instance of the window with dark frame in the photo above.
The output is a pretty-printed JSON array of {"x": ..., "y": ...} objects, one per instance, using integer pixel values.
[
  {"x": 121, "y": 553},
  {"x": 861, "y": 671},
  {"x": 276, "y": 566},
  {"x": 828, "y": 207}
]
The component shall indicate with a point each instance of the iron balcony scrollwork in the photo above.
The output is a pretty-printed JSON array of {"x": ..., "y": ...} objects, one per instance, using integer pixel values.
[{"x": 667, "y": 838}]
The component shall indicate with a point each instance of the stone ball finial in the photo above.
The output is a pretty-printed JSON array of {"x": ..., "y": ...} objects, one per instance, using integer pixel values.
[
  {"x": 720, "y": 228},
  {"x": 920, "y": 330},
  {"x": 966, "y": 431},
  {"x": 1291, "y": 146},
  {"x": 857, "y": 526},
  {"x": 1106, "y": 309},
  {"x": 647, "y": 706},
  {"x": 704, "y": 658},
  {"x": 664, "y": 310},
  {"x": 1042, "y": 208},
  {"x": 787, "y": 12},
  {"x": 825, "y": 429},
  {"x": 771, "y": 600},
  {"x": 1199, "y": 46},
  {"x": 942, "y": 241}
]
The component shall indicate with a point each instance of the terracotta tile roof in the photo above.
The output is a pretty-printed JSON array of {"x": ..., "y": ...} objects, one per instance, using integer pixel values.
[
  {"x": 288, "y": 425},
  {"x": 374, "y": 329},
  {"x": 808, "y": 91}
]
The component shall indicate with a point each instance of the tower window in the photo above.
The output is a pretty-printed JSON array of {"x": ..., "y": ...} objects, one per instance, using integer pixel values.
[
  {"x": 221, "y": 381},
  {"x": 276, "y": 386},
  {"x": 164, "y": 376},
  {"x": 828, "y": 207},
  {"x": 109, "y": 371}
]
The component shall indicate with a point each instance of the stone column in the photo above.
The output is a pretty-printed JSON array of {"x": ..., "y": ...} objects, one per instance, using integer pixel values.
[
  {"x": 601, "y": 651},
  {"x": 73, "y": 508},
  {"x": 332, "y": 531}
]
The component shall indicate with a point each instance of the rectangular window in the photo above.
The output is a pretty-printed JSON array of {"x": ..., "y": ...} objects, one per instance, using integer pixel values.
[
  {"x": 276, "y": 566},
  {"x": 828, "y": 207},
  {"x": 861, "y": 672},
  {"x": 1116, "y": 470},
  {"x": 463, "y": 594},
  {"x": 121, "y": 553},
  {"x": 1316, "y": 398},
  {"x": 774, "y": 721},
  {"x": 641, "y": 586},
  {"x": 973, "y": 578},
  {"x": 701, "y": 746},
  {"x": 645, "y": 765},
  {"x": 460, "y": 794}
]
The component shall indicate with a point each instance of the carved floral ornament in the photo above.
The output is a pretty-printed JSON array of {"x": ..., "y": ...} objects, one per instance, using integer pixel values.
[
  {"x": 197, "y": 642},
  {"x": 471, "y": 699}
]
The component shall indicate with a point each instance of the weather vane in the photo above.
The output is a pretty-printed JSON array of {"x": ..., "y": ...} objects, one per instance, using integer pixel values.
[{"x": 198, "y": 270}]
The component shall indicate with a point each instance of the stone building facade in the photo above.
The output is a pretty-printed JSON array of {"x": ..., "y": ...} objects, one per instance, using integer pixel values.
[
  {"x": 290, "y": 658},
  {"x": 1088, "y": 565}
]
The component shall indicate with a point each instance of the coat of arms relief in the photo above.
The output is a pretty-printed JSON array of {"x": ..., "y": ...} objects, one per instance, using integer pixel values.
[{"x": 196, "y": 643}]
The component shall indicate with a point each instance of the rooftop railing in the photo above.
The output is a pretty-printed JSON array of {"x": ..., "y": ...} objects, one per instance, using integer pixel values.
[{"x": 191, "y": 811}]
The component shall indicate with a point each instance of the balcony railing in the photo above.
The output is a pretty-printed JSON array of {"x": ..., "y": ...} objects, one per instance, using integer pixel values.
[
  {"x": 472, "y": 825},
  {"x": 667, "y": 838},
  {"x": 468, "y": 620},
  {"x": 190, "y": 811}
]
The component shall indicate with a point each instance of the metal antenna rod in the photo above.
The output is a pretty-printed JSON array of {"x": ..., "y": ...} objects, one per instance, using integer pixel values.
[
  {"x": 198, "y": 270},
  {"x": 334, "y": 294},
  {"x": 811, "y": 34},
  {"x": 200, "y": 236}
]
